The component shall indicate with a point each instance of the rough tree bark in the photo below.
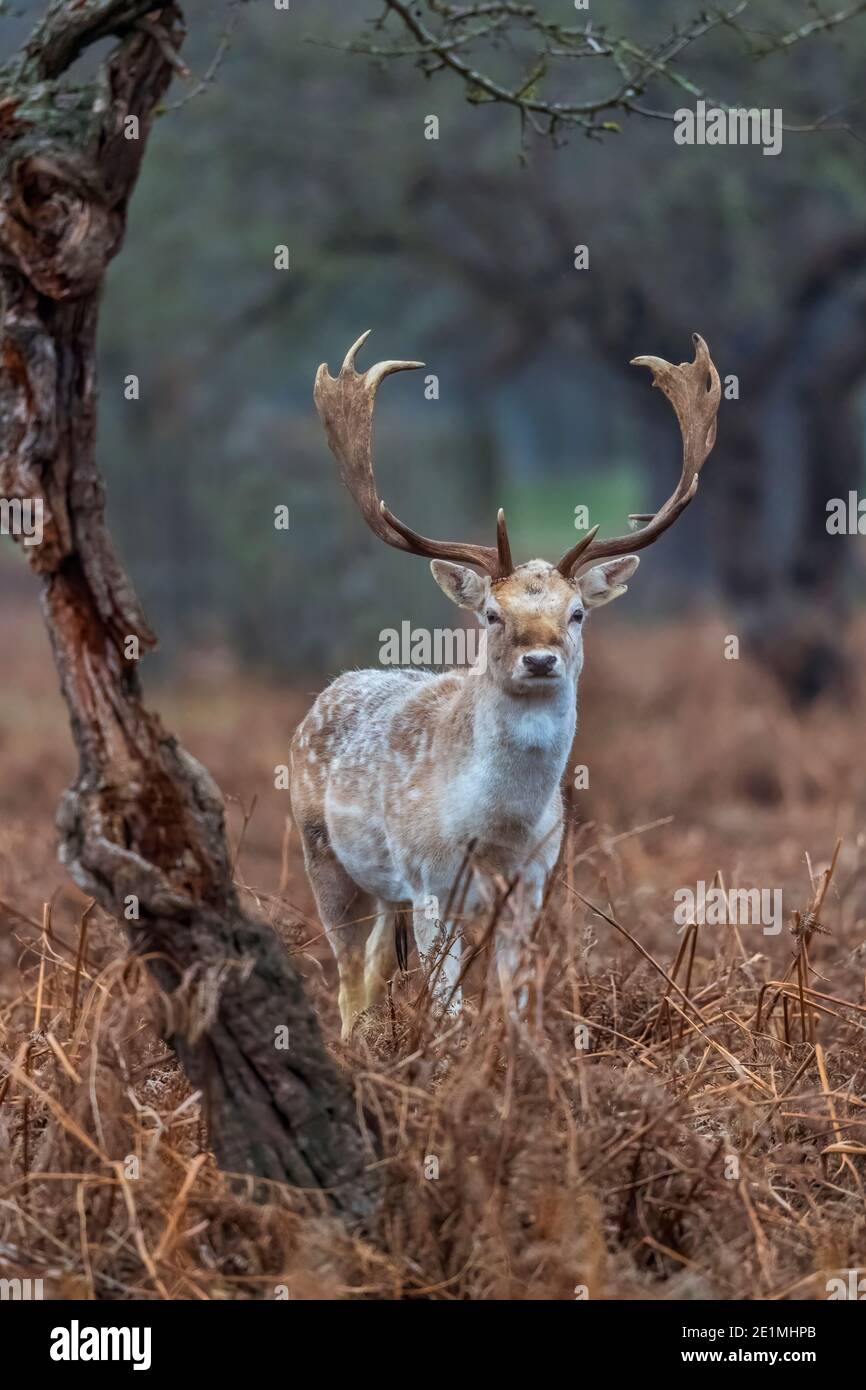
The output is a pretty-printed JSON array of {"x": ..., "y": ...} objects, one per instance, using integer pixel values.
[{"x": 143, "y": 819}]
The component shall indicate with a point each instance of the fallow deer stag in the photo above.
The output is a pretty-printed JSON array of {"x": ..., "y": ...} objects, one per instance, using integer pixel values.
[{"x": 396, "y": 772}]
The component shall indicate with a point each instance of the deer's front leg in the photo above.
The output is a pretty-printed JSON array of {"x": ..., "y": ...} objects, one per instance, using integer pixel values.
[
  {"x": 513, "y": 937},
  {"x": 439, "y": 948}
]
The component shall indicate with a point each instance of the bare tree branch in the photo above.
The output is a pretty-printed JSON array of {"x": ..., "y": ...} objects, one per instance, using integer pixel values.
[
  {"x": 821, "y": 25},
  {"x": 452, "y": 36}
]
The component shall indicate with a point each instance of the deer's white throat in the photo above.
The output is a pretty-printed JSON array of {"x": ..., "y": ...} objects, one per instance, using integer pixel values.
[{"x": 519, "y": 749}]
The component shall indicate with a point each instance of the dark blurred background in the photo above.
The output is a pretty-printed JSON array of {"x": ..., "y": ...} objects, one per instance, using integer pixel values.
[{"x": 460, "y": 251}]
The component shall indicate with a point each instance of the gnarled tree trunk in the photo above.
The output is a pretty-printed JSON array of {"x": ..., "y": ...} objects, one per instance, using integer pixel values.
[{"x": 144, "y": 820}]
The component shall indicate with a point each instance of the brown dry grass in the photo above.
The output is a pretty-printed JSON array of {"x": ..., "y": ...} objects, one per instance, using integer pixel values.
[{"x": 609, "y": 1169}]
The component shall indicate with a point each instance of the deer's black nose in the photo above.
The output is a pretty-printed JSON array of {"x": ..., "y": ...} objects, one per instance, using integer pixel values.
[{"x": 539, "y": 663}]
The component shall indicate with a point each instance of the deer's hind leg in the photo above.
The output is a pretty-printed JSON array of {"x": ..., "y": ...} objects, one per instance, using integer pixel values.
[
  {"x": 347, "y": 913},
  {"x": 381, "y": 959}
]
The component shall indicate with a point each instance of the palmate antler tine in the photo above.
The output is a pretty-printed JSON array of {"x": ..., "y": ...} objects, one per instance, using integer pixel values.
[
  {"x": 572, "y": 556},
  {"x": 497, "y": 563},
  {"x": 694, "y": 391},
  {"x": 346, "y": 406},
  {"x": 503, "y": 545}
]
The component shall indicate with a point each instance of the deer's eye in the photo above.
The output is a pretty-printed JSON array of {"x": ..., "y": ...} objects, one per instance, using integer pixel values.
[
  {"x": 577, "y": 616},
  {"x": 492, "y": 616}
]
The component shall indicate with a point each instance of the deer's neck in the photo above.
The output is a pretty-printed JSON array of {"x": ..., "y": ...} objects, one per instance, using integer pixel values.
[{"x": 518, "y": 748}]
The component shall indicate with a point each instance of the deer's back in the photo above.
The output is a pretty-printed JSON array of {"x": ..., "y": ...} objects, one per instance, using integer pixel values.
[{"x": 362, "y": 722}]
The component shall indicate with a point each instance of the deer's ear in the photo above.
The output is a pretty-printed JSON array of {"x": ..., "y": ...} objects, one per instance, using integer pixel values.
[
  {"x": 606, "y": 582},
  {"x": 463, "y": 586}
]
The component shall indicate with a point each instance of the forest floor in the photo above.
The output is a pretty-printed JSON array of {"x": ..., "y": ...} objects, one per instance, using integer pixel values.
[{"x": 682, "y": 1114}]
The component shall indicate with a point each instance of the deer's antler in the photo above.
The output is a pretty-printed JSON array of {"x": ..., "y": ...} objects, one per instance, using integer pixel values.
[
  {"x": 345, "y": 405},
  {"x": 694, "y": 391}
]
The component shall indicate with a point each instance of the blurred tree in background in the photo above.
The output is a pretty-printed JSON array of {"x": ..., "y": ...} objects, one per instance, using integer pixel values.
[{"x": 460, "y": 250}]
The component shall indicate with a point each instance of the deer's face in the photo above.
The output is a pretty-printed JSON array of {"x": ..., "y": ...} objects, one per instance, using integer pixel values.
[{"x": 534, "y": 618}]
